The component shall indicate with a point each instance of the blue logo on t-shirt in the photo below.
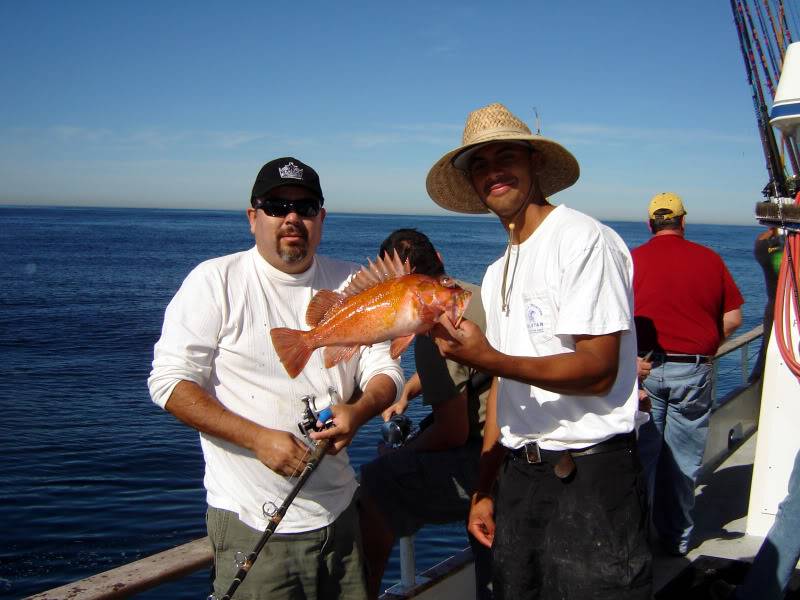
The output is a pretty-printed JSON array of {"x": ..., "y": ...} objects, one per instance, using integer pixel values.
[{"x": 534, "y": 318}]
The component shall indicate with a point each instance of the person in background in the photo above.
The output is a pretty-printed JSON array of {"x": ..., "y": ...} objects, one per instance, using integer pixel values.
[
  {"x": 216, "y": 370},
  {"x": 768, "y": 251},
  {"x": 560, "y": 496},
  {"x": 431, "y": 477},
  {"x": 686, "y": 304}
]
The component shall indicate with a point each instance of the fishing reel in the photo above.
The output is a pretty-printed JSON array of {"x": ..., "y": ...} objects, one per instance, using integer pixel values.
[
  {"x": 396, "y": 430},
  {"x": 311, "y": 415}
]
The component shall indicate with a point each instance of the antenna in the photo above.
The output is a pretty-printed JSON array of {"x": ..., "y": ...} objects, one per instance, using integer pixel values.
[{"x": 538, "y": 122}]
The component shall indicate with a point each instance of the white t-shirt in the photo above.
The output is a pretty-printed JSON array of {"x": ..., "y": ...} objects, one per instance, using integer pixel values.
[
  {"x": 571, "y": 277},
  {"x": 216, "y": 334}
]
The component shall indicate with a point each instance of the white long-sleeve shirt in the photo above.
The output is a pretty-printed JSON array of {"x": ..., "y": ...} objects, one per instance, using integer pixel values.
[{"x": 216, "y": 334}]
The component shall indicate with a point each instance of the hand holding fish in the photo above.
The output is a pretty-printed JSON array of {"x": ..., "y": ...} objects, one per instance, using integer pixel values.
[
  {"x": 281, "y": 451},
  {"x": 464, "y": 343}
]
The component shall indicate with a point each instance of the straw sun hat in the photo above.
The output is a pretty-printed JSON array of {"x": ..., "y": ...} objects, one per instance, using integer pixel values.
[{"x": 448, "y": 184}]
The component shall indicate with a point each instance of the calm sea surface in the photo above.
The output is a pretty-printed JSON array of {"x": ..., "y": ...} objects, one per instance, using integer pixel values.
[{"x": 93, "y": 474}]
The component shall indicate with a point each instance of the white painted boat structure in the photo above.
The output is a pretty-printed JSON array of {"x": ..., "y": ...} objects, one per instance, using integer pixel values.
[{"x": 731, "y": 445}]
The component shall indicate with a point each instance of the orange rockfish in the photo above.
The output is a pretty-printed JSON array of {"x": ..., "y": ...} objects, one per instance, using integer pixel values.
[{"x": 384, "y": 301}]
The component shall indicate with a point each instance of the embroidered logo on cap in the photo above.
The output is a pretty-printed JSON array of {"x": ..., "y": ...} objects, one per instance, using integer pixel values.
[{"x": 290, "y": 171}]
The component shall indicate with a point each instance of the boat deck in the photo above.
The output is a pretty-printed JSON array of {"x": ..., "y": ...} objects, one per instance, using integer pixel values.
[
  {"x": 722, "y": 547},
  {"x": 720, "y": 517}
]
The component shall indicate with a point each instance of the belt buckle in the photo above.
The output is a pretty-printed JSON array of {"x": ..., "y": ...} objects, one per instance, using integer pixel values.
[{"x": 532, "y": 453}]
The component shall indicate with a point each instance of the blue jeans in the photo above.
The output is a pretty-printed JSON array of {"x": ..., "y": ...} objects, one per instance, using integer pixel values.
[
  {"x": 773, "y": 565},
  {"x": 671, "y": 446}
]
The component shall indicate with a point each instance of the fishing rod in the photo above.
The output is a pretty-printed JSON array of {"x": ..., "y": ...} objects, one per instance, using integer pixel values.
[
  {"x": 307, "y": 424},
  {"x": 783, "y": 39},
  {"x": 778, "y": 43},
  {"x": 757, "y": 43},
  {"x": 787, "y": 33},
  {"x": 774, "y": 28},
  {"x": 399, "y": 429},
  {"x": 768, "y": 143},
  {"x": 788, "y": 142},
  {"x": 774, "y": 63}
]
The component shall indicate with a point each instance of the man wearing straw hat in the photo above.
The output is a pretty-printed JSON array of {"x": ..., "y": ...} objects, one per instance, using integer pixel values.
[{"x": 560, "y": 495}]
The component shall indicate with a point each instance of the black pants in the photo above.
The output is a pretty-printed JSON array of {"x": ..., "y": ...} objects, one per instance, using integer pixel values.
[{"x": 580, "y": 539}]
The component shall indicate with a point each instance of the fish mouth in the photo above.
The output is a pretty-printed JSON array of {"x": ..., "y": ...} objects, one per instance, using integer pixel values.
[{"x": 460, "y": 306}]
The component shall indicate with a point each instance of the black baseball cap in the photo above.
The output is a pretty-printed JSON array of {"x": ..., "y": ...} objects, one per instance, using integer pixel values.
[{"x": 286, "y": 171}]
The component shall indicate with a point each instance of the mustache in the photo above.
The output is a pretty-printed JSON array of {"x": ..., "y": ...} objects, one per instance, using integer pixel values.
[
  {"x": 293, "y": 231},
  {"x": 495, "y": 180}
]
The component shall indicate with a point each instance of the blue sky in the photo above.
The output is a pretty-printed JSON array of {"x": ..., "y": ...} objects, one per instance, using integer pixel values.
[{"x": 178, "y": 104}]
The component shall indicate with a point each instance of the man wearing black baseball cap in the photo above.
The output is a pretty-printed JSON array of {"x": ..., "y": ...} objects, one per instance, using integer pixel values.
[
  {"x": 216, "y": 370},
  {"x": 283, "y": 187}
]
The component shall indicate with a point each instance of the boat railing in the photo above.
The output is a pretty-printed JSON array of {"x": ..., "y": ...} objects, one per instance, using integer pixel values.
[
  {"x": 175, "y": 563},
  {"x": 742, "y": 344}
]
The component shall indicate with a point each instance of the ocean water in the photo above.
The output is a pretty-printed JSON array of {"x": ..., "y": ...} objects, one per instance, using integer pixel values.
[{"x": 93, "y": 474}]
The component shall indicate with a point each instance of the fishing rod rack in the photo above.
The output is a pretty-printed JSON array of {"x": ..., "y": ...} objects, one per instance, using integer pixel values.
[{"x": 779, "y": 214}]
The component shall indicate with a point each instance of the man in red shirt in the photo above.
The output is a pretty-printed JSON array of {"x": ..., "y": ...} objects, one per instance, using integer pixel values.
[{"x": 685, "y": 304}]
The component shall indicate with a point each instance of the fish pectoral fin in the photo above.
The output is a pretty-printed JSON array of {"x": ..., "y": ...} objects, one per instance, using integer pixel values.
[
  {"x": 428, "y": 314},
  {"x": 400, "y": 344},
  {"x": 333, "y": 355},
  {"x": 321, "y": 304}
]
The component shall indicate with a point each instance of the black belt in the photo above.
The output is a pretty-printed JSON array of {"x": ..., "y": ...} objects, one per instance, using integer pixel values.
[
  {"x": 682, "y": 358},
  {"x": 533, "y": 454}
]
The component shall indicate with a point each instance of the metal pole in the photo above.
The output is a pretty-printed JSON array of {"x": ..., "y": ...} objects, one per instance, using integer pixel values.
[
  {"x": 745, "y": 362},
  {"x": 407, "y": 562}
]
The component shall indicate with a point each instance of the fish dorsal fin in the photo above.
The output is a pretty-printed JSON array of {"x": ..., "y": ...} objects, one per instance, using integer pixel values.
[
  {"x": 321, "y": 304},
  {"x": 383, "y": 269}
]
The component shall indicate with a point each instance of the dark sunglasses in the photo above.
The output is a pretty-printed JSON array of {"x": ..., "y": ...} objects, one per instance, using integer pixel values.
[{"x": 280, "y": 207}]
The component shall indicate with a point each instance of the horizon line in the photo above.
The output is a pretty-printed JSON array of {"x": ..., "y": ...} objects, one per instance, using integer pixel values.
[{"x": 345, "y": 212}]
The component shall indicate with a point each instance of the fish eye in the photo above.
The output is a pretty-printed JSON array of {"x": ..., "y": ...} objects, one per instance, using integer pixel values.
[{"x": 447, "y": 281}]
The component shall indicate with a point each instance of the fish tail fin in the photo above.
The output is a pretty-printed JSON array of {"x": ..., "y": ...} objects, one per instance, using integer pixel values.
[{"x": 292, "y": 348}]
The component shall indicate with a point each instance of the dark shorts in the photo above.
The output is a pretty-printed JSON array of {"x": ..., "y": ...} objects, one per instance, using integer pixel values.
[
  {"x": 413, "y": 489},
  {"x": 580, "y": 539},
  {"x": 323, "y": 563}
]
